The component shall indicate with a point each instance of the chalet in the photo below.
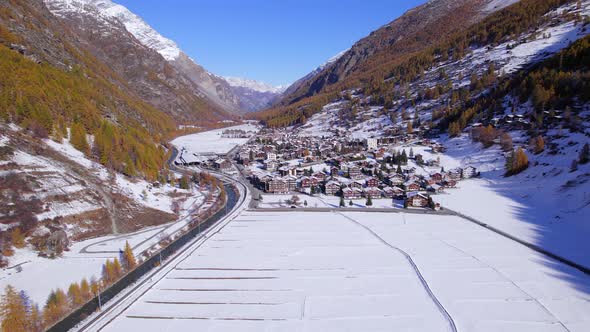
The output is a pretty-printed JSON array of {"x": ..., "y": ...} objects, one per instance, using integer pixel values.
[
  {"x": 305, "y": 182},
  {"x": 372, "y": 182},
  {"x": 455, "y": 174},
  {"x": 450, "y": 183},
  {"x": 277, "y": 186},
  {"x": 352, "y": 193},
  {"x": 396, "y": 180},
  {"x": 334, "y": 171},
  {"x": 437, "y": 177},
  {"x": 288, "y": 171},
  {"x": 271, "y": 156},
  {"x": 412, "y": 186},
  {"x": 260, "y": 155},
  {"x": 222, "y": 164},
  {"x": 244, "y": 155},
  {"x": 320, "y": 176},
  {"x": 417, "y": 200},
  {"x": 332, "y": 188},
  {"x": 357, "y": 184},
  {"x": 469, "y": 172},
  {"x": 435, "y": 188},
  {"x": 372, "y": 192},
  {"x": 291, "y": 182},
  {"x": 371, "y": 143},
  {"x": 271, "y": 165},
  {"x": 354, "y": 172},
  {"x": 394, "y": 192}
]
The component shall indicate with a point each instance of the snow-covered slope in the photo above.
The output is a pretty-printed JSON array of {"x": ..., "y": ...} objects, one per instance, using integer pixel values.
[
  {"x": 254, "y": 85},
  {"x": 254, "y": 95},
  {"x": 133, "y": 23},
  {"x": 108, "y": 15}
]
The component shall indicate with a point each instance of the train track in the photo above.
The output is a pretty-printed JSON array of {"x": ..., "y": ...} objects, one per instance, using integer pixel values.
[{"x": 126, "y": 298}]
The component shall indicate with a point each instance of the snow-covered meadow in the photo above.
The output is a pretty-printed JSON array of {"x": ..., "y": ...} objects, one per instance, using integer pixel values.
[
  {"x": 301, "y": 271},
  {"x": 210, "y": 142}
]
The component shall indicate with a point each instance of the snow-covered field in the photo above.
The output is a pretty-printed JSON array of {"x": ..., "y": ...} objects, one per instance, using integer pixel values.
[
  {"x": 349, "y": 272},
  {"x": 210, "y": 142},
  {"x": 323, "y": 201}
]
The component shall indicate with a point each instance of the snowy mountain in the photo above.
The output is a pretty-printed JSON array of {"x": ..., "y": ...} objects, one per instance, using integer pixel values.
[
  {"x": 254, "y": 85},
  {"x": 107, "y": 14},
  {"x": 254, "y": 95},
  {"x": 133, "y": 23}
]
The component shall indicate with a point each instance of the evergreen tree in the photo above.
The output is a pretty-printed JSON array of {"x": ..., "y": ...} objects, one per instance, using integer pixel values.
[
  {"x": 369, "y": 201},
  {"x": 399, "y": 169},
  {"x": 404, "y": 157},
  {"x": 585, "y": 154},
  {"x": 411, "y": 153},
  {"x": 342, "y": 201},
  {"x": 350, "y": 203},
  {"x": 574, "y": 166}
]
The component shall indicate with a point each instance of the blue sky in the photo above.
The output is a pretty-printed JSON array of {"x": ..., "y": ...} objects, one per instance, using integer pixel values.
[{"x": 274, "y": 41}]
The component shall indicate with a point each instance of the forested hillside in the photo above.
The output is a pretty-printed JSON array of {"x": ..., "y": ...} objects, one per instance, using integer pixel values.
[
  {"x": 50, "y": 83},
  {"x": 388, "y": 79}
]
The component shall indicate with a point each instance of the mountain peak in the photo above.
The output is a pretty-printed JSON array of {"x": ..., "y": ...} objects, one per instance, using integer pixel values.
[
  {"x": 255, "y": 85},
  {"x": 143, "y": 32}
]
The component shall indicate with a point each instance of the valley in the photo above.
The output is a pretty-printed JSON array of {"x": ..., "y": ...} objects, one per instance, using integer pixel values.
[{"x": 433, "y": 176}]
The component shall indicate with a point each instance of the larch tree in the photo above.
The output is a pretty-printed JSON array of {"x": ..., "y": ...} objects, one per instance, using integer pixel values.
[
  {"x": 17, "y": 237},
  {"x": 75, "y": 295},
  {"x": 56, "y": 307},
  {"x": 128, "y": 258},
  {"x": 85, "y": 289},
  {"x": 78, "y": 138},
  {"x": 13, "y": 311}
]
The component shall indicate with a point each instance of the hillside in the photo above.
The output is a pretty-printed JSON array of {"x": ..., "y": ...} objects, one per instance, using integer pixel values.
[
  {"x": 507, "y": 95},
  {"x": 153, "y": 67},
  {"x": 376, "y": 54},
  {"x": 80, "y": 147}
]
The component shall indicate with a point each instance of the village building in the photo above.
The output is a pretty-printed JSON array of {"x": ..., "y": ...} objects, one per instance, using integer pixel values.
[
  {"x": 372, "y": 182},
  {"x": 372, "y": 192},
  {"x": 372, "y": 143},
  {"x": 352, "y": 193},
  {"x": 469, "y": 172},
  {"x": 277, "y": 186},
  {"x": 417, "y": 200},
  {"x": 332, "y": 188},
  {"x": 222, "y": 164}
]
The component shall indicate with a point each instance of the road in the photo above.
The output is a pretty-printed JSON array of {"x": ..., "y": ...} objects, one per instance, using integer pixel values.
[{"x": 123, "y": 300}]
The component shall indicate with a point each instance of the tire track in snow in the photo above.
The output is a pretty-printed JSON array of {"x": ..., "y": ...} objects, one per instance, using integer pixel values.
[{"x": 440, "y": 307}]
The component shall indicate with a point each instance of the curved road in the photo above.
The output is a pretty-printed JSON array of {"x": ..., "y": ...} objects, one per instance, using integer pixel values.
[{"x": 126, "y": 298}]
